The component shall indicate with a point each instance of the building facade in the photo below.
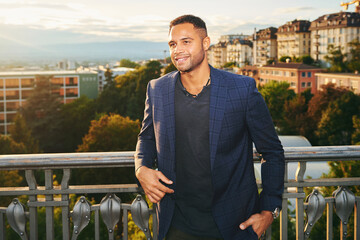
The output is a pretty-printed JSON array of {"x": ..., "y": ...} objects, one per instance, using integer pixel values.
[
  {"x": 265, "y": 46},
  {"x": 293, "y": 39},
  {"x": 337, "y": 29},
  {"x": 347, "y": 80},
  {"x": 16, "y": 87},
  {"x": 300, "y": 76},
  {"x": 217, "y": 54},
  {"x": 239, "y": 51}
]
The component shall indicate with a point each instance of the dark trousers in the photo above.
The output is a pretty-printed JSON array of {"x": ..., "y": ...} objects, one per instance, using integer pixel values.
[{"x": 176, "y": 234}]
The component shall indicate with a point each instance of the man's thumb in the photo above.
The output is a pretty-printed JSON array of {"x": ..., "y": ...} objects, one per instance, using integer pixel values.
[{"x": 244, "y": 225}]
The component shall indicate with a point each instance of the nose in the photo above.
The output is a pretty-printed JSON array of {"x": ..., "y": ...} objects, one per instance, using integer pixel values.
[{"x": 178, "y": 48}]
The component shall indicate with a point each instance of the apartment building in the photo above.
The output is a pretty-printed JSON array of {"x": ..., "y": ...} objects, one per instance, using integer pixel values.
[
  {"x": 265, "y": 46},
  {"x": 217, "y": 54},
  {"x": 16, "y": 87},
  {"x": 347, "y": 80},
  {"x": 239, "y": 51},
  {"x": 337, "y": 29},
  {"x": 293, "y": 39},
  {"x": 300, "y": 76}
]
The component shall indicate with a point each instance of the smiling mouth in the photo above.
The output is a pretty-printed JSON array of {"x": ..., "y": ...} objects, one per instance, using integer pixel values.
[{"x": 181, "y": 59}]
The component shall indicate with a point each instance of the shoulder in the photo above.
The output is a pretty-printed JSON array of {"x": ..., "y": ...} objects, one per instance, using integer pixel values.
[
  {"x": 232, "y": 79},
  {"x": 163, "y": 80}
]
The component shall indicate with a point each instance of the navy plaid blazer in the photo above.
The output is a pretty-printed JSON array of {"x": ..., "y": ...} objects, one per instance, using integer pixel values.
[{"x": 238, "y": 117}]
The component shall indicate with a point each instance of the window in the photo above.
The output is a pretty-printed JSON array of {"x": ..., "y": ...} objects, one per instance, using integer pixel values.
[
  {"x": 293, "y": 74},
  {"x": 308, "y": 84},
  {"x": 303, "y": 84},
  {"x": 303, "y": 74},
  {"x": 309, "y": 74},
  {"x": 292, "y": 84},
  {"x": 354, "y": 84}
]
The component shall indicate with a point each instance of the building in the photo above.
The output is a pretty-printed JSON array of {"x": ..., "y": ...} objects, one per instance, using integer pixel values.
[
  {"x": 251, "y": 71},
  {"x": 347, "y": 80},
  {"x": 300, "y": 76},
  {"x": 265, "y": 46},
  {"x": 293, "y": 39},
  {"x": 337, "y": 29},
  {"x": 239, "y": 51},
  {"x": 217, "y": 54},
  {"x": 16, "y": 87}
]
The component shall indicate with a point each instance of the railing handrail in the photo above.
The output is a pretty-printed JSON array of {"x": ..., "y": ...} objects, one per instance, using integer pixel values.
[{"x": 126, "y": 159}]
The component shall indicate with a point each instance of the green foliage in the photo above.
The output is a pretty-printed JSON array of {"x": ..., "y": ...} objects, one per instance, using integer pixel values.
[
  {"x": 229, "y": 65},
  {"x": 336, "y": 59},
  {"x": 354, "y": 62},
  {"x": 307, "y": 60},
  {"x": 169, "y": 68},
  {"x": 75, "y": 118},
  {"x": 9, "y": 146},
  {"x": 283, "y": 58},
  {"x": 355, "y": 137},
  {"x": 41, "y": 113},
  {"x": 21, "y": 133},
  {"x": 275, "y": 95},
  {"x": 111, "y": 133},
  {"x": 127, "y": 96},
  {"x": 128, "y": 63},
  {"x": 109, "y": 79},
  {"x": 336, "y": 124}
]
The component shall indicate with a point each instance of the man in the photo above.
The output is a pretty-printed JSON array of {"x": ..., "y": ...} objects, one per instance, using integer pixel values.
[{"x": 198, "y": 128}]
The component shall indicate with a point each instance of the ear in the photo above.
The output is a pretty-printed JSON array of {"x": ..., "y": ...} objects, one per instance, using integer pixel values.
[{"x": 206, "y": 43}]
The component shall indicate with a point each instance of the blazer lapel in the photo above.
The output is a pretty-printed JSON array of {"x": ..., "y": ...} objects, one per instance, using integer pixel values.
[
  {"x": 169, "y": 114},
  {"x": 218, "y": 96}
]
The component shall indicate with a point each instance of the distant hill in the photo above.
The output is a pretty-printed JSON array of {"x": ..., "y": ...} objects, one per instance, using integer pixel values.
[{"x": 134, "y": 50}]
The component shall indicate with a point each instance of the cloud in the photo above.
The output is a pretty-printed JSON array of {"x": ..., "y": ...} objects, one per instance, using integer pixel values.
[{"x": 291, "y": 10}]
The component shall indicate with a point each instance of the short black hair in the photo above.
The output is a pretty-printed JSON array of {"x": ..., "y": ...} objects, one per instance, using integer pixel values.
[{"x": 197, "y": 22}]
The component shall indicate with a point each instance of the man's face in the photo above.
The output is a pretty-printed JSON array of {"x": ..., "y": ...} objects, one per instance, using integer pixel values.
[{"x": 187, "y": 46}]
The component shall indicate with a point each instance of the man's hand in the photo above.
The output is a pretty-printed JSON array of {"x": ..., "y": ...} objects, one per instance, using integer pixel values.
[
  {"x": 259, "y": 222},
  {"x": 150, "y": 182}
]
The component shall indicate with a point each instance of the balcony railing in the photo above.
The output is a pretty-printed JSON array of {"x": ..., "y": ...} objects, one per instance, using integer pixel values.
[{"x": 19, "y": 216}]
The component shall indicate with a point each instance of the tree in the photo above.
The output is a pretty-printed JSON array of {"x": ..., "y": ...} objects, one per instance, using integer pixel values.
[
  {"x": 336, "y": 59},
  {"x": 275, "y": 95},
  {"x": 109, "y": 79},
  {"x": 111, "y": 133},
  {"x": 229, "y": 65},
  {"x": 75, "y": 119},
  {"x": 127, "y": 96},
  {"x": 128, "y": 63},
  {"x": 284, "y": 58},
  {"x": 336, "y": 124},
  {"x": 21, "y": 133},
  {"x": 41, "y": 113},
  {"x": 169, "y": 68},
  {"x": 354, "y": 62},
  {"x": 307, "y": 60},
  {"x": 355, "y": 138},
  {"x": 317, "y": 105}
]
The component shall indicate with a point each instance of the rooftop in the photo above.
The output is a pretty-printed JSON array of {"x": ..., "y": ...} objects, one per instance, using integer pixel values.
[
  {"x": 33, "y": 73},
  {"x": 290, "y": 65}
]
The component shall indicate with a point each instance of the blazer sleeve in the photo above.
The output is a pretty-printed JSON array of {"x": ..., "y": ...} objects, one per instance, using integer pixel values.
[
  {"x": 267, "y": 143},
  {"x": 145, "y": 153}
]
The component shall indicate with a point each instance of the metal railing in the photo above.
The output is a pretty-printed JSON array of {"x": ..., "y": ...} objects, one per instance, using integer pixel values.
[{"x": 74, "y": 220}]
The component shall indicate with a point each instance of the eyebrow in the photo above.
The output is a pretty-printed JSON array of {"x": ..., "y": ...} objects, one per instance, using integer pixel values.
[{"x": 182, "y": 39}]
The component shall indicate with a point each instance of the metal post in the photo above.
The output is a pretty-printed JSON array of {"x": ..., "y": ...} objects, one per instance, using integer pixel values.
[
  {"x": 329, "y": 220},
  {"x": 31, "y": 181},
  {"x": 2, "y": 226},
  {"x": 300, "y": 202},
  {"x": 49, "y": 209},
  {"x": 356, "y": 219},
  {"x": 65, "y": 209},
  {"x": 125, "y": 224},
  {"x": 97, "y": 225},
  {"x": 284, "y": 220}
]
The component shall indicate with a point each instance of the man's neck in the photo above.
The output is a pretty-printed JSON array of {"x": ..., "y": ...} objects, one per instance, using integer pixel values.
[{"x": 194, "y": 80}]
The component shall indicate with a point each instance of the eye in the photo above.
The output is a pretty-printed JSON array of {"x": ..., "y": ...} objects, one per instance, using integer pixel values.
[{"x": 172, "y": 45}]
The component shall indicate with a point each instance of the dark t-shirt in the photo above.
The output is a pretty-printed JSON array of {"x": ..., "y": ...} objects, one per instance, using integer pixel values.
[{"x": 194, "y": 193}]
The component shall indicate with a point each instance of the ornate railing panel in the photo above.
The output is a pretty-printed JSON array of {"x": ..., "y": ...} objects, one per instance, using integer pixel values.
[{"x": 343, "y": 201}]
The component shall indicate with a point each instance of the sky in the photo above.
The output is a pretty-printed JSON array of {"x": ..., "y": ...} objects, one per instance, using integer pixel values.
[{"x": 39, "y": 22}]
